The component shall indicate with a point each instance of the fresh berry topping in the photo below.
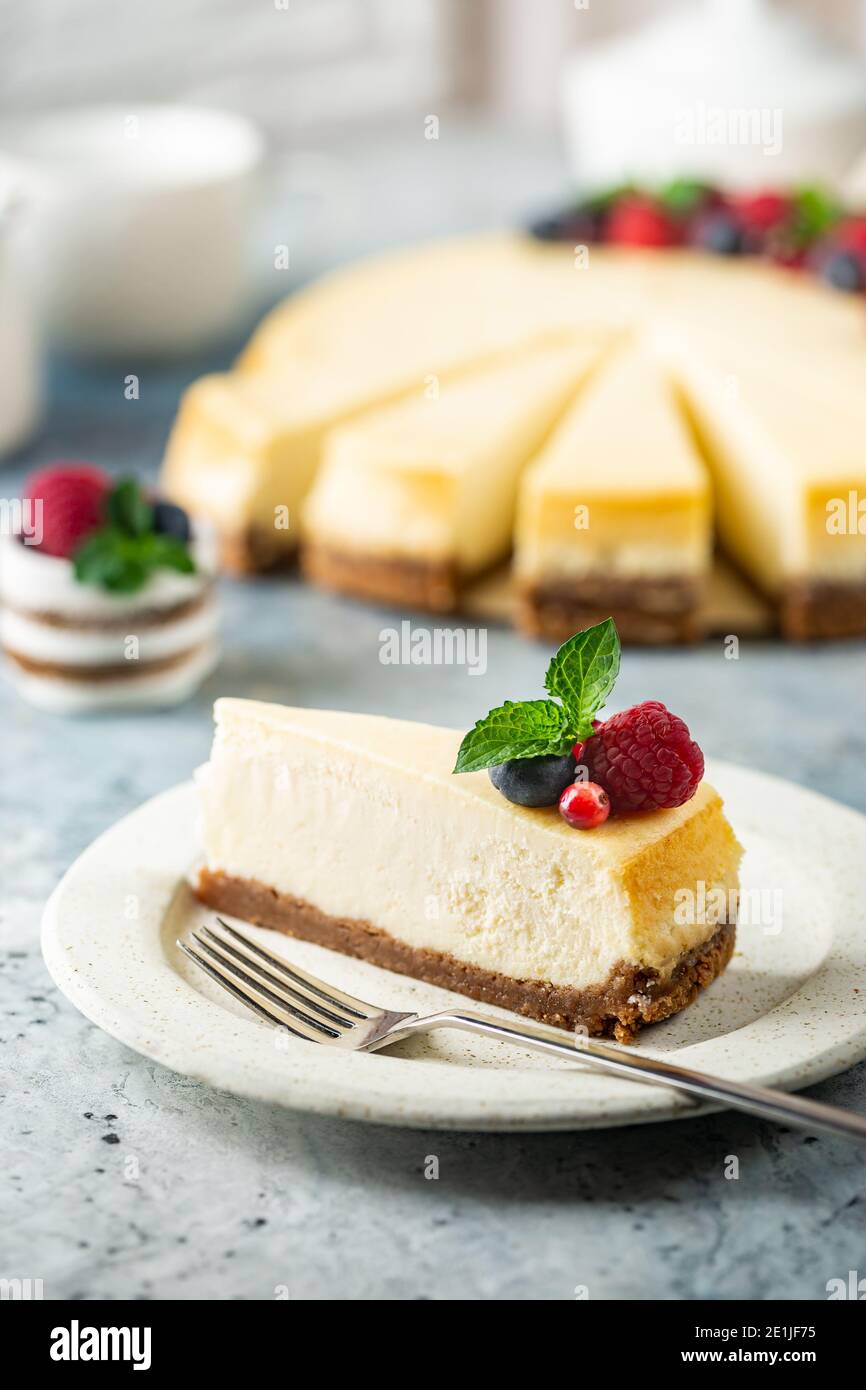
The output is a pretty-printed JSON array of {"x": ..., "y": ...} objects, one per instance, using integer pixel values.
[
  {"x": 851, "y": 234},
  {"x": 533, "y": 781},
  {"x": 584, "y": 805},
  {"x": 720, "y": 232},
  {"x": 689, "y": 197},
  {"x": 784, "y": 250},
  {"x": 577, "y": 750},
  {"x": 574, "y": 225},
  {"x": 845, "y": 270},
  {"x": 169, "y": 520},
  {"x": 637, "y": 221},
  {"x": 760, "y": 212},
  {"x": 73, "y": 497},
  {"x": 645, "y": 759}
]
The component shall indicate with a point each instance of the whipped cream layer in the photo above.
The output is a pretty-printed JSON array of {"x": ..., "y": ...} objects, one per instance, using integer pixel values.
[
  {"x": 131, "y": 641},
  {"x": 362, "y": 817},
  {"x": 33, "y": 582}
]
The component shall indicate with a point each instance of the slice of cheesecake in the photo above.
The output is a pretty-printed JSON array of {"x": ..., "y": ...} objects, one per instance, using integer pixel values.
[
  {"x": 788, "y": 459},
  {"x": 351, "y": 831},
  {"x": 412, "y": 501},
  {"x": 615, "y": 516}
]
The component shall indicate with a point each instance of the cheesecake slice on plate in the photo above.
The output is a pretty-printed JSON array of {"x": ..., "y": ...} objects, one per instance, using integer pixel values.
[
  {"x": 352, "y": 831},
  {"x": 412, "y": 501},
  {"x": 615, "y": 513}
]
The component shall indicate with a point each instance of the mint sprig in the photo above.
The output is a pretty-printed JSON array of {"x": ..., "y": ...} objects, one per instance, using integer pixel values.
[
  {"x": 583, "y": 672},
  {"x": 123, "y": 554},
  {"x": 580, "y": 677},
  {"x": 517, "y": 729}
]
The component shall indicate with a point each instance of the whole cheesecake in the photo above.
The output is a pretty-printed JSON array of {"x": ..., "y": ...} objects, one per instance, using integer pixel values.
[
  {"x": 352, "y": 831},
  {"x": 736, "y": 338}
]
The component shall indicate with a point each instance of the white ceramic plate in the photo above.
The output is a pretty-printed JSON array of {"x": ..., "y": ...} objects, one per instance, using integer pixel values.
[{"x": 790, "y": 1009}]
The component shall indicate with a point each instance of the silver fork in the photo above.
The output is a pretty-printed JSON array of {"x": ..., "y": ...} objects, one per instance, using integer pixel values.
[{"x": 308, "y": 1008}]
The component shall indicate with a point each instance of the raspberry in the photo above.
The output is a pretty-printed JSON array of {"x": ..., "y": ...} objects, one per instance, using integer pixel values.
[
  {"x": 636, "y": 221},
  {"x": 73, "y": 497},
  {"x": 644, "y": 758},
  {"x": 760, "y": 212}
]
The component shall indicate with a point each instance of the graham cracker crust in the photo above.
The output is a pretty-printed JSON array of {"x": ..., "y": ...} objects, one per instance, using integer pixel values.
[
  {"x": 429, "y": 585},
  {"x": 816, "y": 610},
  {"x": 631, "y": 997},
  {"x": 650, "y": 611},
  {"x": 256, "y": 551}
]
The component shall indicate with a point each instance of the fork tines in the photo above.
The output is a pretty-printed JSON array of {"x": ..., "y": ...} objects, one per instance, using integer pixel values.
[{"x": 279, "y": 993}]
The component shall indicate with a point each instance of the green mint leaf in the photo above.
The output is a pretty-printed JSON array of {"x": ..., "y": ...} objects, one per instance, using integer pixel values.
[
  {"x": 683, "y": 196},
  {"x": 583, "y": 672},
  {"x": 605, "y": 198},
  {"x": 128, "y": 509},
  {"x": 122, "y": 564},
  {"x": 814, "y": 212},
  {"x": 517, "y": 729},
  {"x": 166, "y": 552},
  {"x": 110, "y": 560}
]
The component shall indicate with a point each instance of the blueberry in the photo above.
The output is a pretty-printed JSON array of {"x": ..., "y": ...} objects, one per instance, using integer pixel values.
[
  {"x": 720, "y": 233},
  {"x": 845, "y": 271},
  {"x": 574, "y": 225},
  {"x": 534, "y": 781},
  {"x": 170, "y": 520}
]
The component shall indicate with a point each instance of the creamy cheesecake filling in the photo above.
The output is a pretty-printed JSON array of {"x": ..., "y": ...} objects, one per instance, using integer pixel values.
[{"x": 362, "y": 818}]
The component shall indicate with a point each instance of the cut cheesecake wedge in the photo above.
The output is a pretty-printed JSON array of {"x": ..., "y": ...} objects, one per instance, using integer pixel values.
[
  {"x": 412, "y": 501},
  {"x": 615, "y": 513},
  {"x": 788, "y": 461},
  {"x": 351, "y": 831}
]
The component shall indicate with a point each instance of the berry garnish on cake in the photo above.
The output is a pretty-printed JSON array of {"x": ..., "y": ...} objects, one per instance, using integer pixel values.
[
  {"x": 801, "y": 227},
  {"x": 106, "y": 597},
  {"x": 558, "y": 752}
]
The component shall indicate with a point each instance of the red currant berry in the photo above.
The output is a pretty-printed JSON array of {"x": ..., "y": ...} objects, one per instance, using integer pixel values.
[{"x": 584, "y": 805}]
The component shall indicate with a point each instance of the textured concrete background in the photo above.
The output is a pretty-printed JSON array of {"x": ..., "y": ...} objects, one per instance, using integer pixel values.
[{"x": 123, "y": 1180}]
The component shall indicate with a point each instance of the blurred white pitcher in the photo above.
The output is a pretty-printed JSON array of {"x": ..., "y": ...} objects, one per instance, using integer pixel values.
[{"x": 139, "y": 222}]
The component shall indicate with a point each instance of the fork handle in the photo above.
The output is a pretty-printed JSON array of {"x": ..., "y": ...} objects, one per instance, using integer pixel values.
[{"x": 755, "y": 1100}]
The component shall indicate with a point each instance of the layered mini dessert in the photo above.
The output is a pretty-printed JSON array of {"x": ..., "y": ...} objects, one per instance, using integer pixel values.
[
  {"x": 413, "y": 501},
  {"x": 559, "y": 886},
  {"x": 615, "y": 513},
  {"x": 106, "y": 598}
]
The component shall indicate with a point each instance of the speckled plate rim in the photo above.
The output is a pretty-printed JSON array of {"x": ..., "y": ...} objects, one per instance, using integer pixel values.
[{"x": 106, "y": 945}]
